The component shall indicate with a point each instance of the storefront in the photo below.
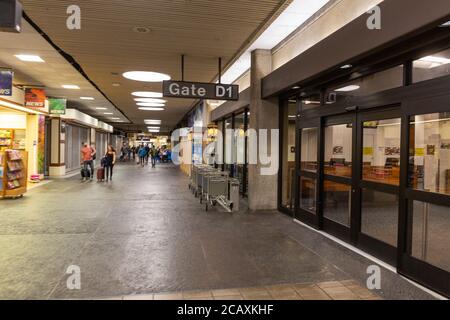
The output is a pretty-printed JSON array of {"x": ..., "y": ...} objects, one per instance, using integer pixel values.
[
  {"x": 365, "y": 155},
  {"x": 23, "y": 131}
]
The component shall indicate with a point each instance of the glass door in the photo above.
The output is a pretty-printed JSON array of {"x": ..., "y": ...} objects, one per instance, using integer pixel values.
[
  {"x": 307, "y": 174},
  {"x": 338, "y": 183},
  {"x": 378, "y": 148}
]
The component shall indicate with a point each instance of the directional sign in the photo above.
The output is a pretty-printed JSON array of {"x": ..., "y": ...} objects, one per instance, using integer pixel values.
[{"x": 198, "y": 90}]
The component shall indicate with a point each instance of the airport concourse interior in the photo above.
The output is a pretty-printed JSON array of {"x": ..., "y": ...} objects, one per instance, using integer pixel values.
[{"x": 225, "y": 150}]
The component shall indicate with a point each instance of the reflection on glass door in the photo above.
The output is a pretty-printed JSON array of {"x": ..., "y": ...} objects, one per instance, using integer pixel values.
[
  {"x": 381, "y": 178},
  {"x": 429, "y": 178},
  {"x": 338, "y": 160}
]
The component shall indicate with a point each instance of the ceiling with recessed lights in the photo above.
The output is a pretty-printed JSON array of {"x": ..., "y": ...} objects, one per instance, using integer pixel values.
[
  {"x": 118, "y": 37},
  {"x": 37, "y": 64}
]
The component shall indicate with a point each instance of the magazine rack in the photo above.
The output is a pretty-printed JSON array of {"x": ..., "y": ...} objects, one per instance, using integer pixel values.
[{"x": 13, "y": 172}]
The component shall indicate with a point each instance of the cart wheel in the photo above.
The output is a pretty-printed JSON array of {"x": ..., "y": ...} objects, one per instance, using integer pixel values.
[
  {"x": 231, "y": 206},
  {"x": 206, "y": 206},
  {"x": 201, "y": 199},
  {"x": 214, "y": 203}
]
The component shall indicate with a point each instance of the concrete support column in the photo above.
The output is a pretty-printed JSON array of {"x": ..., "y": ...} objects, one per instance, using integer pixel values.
[{"x": 264, "y": 114}]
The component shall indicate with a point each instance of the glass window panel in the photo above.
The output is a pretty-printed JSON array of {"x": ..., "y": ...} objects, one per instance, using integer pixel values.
[
  {"x": 379, "y": 216},
  {"x": 337, "y": 202},
  {"x": 377, "y": 82},
  {"x": 288, "y": 151},
  {"x": 430, "y": 234},
  {"x": 228, "y": 148},
  {"x": 308, "y": 189},
  {"x": 381, "y": 151},
  {"x": 430, "y": 153},
  {"x": 432, "y": 66},
  {"x": 309, "y": 149},
  {"x": 338, "y": 150}
]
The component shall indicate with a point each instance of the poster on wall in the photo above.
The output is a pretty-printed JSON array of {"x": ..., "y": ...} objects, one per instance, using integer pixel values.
[
  {"x": 41, "y": 145},
  {"x": 35, "y": 98},
  {"x": 6, "y": 83},
  {"x": 57, "y": 106}
]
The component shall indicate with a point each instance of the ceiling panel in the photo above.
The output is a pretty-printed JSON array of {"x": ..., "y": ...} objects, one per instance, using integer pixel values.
[{"x": 106, "y": 46}]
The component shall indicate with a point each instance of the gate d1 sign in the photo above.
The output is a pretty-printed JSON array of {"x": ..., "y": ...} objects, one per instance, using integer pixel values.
[{"x": 199, "y": 90}]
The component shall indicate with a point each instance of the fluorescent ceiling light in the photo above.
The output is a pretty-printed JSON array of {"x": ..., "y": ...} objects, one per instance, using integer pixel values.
[
  {"x": 29, "y": 58},
  {"x": 146, "y": 76},
  {"x": 150, "y": 104},
  {"x": 152, "y": 100},
  {"x": 154, "y": 131},
  {"x": 101, "y": 108},
  {"x": 115, "y": 118},
  {"x": 447, "y": 24},
  {"x": 108, "y": 113},
  {"x": 154, "y": 128},
  {"x": 346, "y": 66},
  {"x": 147, "y": 94},
  {"x": 431, "y": 62},
  {"x": 115, "y": 84},
  {"x": 287, "y": 22},
  {"x": 87, "y": 98},
  {"x": 150, "y": 121},
  {"x": 151, "y": 108},
  {"x": 348, "y": 88},
  {"x": 70, "y": 86}
]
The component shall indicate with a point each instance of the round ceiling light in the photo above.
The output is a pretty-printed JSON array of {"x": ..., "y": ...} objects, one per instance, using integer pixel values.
[
  {"x": 152, "y": 100},
  {"x": 150, "y": 104},
  {"x": 147, "y": 94},
  {"x": 146, "y": 76},
  {"x": 151, "y": 109}
]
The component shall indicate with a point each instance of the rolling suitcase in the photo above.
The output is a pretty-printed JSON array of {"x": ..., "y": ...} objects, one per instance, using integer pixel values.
[
  {"x": 101, "y": 174},
  {"x": 85, "y": 173}
]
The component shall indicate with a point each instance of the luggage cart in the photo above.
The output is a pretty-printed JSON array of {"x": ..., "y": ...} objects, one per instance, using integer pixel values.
[
  {"x": 199, "y": 183},
  {"x": 217, "y": 192},
  {"x": 206, "y": 177}
]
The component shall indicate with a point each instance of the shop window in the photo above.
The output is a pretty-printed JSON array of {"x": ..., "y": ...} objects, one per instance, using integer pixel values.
[
  {"x": 430, "y": 236},
  {"x": 337, "y": 202},
  {"x": 379, "y": 216},
  {"x": 288, "y": 153},
  {"x": 381, "y": 151},
  {"x": 429, "y": 168},
  {"x": 309, "y": 138},
  {"x": 338, "y": 150},
  {"x": 377, "y": 82},
  {"x": 432, "y": 66}
]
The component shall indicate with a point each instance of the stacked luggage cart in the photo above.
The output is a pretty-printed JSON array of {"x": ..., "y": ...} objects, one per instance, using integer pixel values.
[{"x": 214, "y": 187}]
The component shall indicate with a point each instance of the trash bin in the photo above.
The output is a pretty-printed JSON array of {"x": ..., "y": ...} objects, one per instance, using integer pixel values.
[{"x": 234, "y": 196}]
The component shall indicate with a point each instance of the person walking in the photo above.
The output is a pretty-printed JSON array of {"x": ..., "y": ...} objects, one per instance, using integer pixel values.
[
  {"x": 147, "y": 153},
  {"x": 110, "y": 161},
  {"x": 153, "y": 154},
  {"x": 142, "y": 154},
  {"x": 87, "y": 156}
]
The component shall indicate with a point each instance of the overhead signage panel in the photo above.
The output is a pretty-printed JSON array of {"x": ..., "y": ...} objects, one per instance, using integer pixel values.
[
  {"x": 6, "y": 83},
  {"x": 199, "y": 90},
  {"x": 35, "y": 98},
  {"x": 57, "y": 106}
]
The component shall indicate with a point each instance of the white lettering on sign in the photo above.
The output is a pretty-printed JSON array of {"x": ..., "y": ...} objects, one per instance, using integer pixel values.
[
  {"x": 176, "y": 89},
  {"x": 224, "y": 92}
]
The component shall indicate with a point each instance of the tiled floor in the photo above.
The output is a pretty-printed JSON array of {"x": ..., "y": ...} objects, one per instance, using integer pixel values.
[
  {"x": 331, "y": 290},
  {"x": 145, "y": 233}
]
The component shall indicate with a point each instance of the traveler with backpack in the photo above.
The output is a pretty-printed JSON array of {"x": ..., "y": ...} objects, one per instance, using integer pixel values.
[{"x": 88, "y": 154}]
